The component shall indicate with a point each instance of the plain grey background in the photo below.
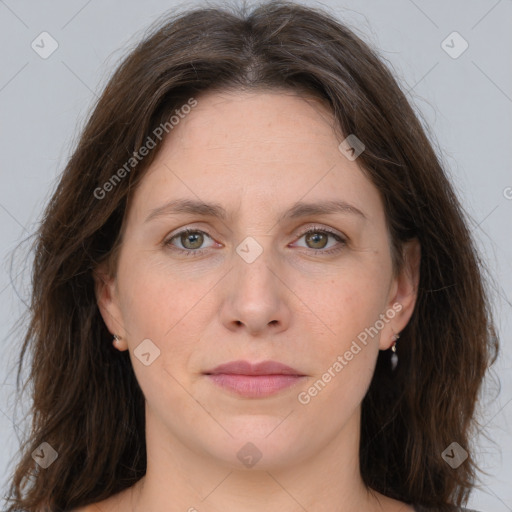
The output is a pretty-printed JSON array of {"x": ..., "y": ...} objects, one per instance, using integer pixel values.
[{"x": 464, "y": 98}]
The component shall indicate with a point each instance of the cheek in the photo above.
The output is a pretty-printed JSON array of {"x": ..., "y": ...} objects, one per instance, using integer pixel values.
[
  {"x": 344, "y": 361},
  {"x": 155, "y": 300},
  {"x": 170, "y": 308},
  {"x": 167, "y": 311},
  {"x": 343, "y": 367},
  {"x": 345, "y": 306}
]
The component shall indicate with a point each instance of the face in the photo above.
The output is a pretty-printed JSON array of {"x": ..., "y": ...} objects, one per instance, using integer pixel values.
[{"x": 266, "y": 281}]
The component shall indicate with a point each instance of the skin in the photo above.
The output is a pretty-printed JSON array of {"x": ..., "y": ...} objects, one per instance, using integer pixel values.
[{"x": 256, "y": 154}]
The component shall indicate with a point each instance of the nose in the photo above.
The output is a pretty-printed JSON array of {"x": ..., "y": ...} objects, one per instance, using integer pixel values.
[{"x": 256, "y": 297}]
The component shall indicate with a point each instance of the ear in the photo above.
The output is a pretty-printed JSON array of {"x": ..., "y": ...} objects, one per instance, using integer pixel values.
[
  {"x": 403, "y": 293},
  {"x": 105, "y": 288}
]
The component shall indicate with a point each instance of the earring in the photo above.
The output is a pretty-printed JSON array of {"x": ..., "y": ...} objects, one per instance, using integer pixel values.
[
  {"x": 394, "y": 357},
  {"x": 116, "y": 340}
]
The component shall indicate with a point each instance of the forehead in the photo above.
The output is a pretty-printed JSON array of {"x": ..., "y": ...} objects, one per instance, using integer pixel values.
[
  {"x": 260, "y": 147},
  {"x": 273, "y": 117}
]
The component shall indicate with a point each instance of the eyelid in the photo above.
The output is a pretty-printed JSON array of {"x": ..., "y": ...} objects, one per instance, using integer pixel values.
[{"x": 317, "y": 227}]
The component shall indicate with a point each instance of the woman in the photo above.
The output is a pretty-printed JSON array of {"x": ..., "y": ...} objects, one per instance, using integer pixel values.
[{"x": 254, "y": 216}]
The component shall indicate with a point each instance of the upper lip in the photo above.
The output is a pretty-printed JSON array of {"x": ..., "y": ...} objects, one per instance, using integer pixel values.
[{"x": 246, "y": 368}]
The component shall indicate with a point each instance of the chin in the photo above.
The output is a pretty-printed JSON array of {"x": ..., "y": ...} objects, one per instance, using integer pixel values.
[{"x": 257, "y": 445}]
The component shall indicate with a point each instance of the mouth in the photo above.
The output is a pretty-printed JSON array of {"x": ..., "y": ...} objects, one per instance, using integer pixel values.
[{"x": 254, "y": 380}]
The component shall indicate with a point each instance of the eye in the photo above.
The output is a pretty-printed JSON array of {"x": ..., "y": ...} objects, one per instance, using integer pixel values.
[
  {"x": 317, "y": 239},
  {"x": 191, "y": 241}
]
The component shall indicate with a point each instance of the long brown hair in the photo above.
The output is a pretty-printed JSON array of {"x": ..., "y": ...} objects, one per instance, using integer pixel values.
[{"x": 86, "y": 402}]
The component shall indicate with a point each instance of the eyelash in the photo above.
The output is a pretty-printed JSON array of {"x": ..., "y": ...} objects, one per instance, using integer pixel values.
[{"x": 314, "y": 229}]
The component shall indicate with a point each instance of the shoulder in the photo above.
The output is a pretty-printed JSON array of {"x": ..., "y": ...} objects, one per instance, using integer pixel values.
[
  {"x": 115, "y": 503},
  {"x": 419, "y": 508},
  {"x": 93, "y": 507}
]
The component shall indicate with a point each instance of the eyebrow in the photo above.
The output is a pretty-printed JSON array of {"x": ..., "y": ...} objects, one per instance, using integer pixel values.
[{"x": 298, "y": 210}]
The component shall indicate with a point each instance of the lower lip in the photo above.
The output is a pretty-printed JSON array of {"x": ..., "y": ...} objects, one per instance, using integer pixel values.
[{"x": 255, "y": 386}]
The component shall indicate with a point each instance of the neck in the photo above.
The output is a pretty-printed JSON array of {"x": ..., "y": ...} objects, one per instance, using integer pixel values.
[{"x": 179, "y": 478}]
